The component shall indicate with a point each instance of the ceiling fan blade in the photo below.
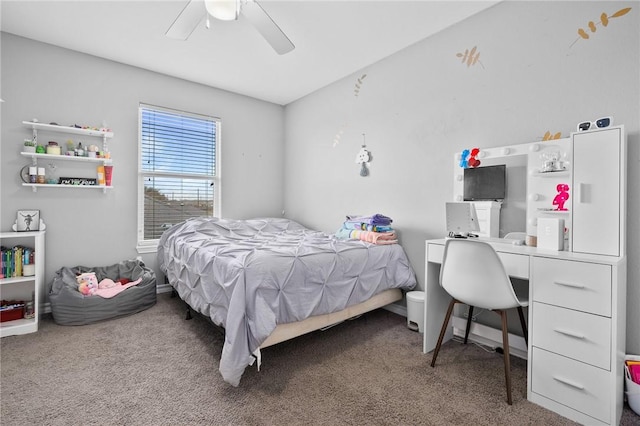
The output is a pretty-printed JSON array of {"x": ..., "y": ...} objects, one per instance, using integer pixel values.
[
  {"x": 187, "y": 20},
  {"x": 265, "y": 26}
]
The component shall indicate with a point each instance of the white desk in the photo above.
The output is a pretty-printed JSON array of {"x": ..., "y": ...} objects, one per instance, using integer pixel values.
[{"x": 577, "y": 326}]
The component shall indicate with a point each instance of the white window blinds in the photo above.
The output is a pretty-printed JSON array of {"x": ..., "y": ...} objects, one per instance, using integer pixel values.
[{"x": 178, "y": 172}]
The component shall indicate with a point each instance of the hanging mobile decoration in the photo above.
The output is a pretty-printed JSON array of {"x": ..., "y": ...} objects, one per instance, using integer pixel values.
[{"x": 363, "y": 158}]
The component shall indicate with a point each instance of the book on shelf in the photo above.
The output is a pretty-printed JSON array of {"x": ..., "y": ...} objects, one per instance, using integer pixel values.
[{"x": 13, "y": 259}]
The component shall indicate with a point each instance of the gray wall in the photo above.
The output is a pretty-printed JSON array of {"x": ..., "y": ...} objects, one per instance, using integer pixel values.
[
  {"x": 422, "y": 105},
  {"x": 88, "y": 227}
]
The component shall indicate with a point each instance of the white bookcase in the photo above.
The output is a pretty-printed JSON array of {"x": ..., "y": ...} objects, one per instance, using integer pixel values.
[{"x": 23, "y": 288}]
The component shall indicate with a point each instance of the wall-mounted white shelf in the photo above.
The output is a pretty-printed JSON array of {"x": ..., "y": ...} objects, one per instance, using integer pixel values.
[
  {"x": 35, "y": 186},
  {"x": 67, "y": 129},
  {"x": 547, "y": 211},
  {"x": 559, "y": 173},
  {"x": 35, "y": 158}
]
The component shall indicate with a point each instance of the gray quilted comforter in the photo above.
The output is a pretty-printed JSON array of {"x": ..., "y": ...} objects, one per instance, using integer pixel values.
[{"x": 250, "y": 275}]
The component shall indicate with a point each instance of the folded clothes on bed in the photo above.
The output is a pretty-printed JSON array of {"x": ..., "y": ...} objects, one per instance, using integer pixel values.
[
  {"x": 375, "y": 237},
  {"x": 365, "y": 227},
  {"x": 344, "y": 233},
  {"x": 374, "y": 229},
  {"x": 376, "y": 219}
]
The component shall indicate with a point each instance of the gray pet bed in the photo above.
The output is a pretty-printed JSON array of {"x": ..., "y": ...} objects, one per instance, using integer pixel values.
[{"x": 70, "y": 307}]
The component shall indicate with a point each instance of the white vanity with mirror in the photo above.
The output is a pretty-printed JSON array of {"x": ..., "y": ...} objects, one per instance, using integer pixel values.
[
  {"x": 530, "y": 187},
  {"x": 577, "y": 296}
]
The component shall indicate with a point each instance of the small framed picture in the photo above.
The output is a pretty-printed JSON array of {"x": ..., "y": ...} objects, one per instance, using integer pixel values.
[{"x": 28, "y": 220}]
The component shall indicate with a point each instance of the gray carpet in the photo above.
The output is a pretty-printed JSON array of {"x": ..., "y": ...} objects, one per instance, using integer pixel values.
[{"x": 155, "y": 368}]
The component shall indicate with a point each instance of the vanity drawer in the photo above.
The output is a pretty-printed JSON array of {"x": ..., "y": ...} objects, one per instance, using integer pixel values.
[
  {"x": 516, "y": 265},
  {"x": 435, "y": 253},
  {"x": 578, "y": 335},
  {"x": 581, "y": 286},
  {"x": 580, "y": 386}
]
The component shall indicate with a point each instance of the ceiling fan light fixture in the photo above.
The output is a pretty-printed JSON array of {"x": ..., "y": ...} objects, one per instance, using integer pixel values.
[{"x": 225, "y": 10}]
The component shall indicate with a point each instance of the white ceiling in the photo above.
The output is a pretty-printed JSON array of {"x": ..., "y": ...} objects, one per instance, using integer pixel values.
[{"x": 333, "y": 38}]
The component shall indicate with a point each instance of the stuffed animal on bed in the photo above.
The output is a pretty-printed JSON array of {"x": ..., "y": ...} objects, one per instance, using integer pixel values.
[{"x": 87, "y": 283}]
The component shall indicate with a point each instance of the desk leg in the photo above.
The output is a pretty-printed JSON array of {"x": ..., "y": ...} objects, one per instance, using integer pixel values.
[{"x": 436, "y": 301}]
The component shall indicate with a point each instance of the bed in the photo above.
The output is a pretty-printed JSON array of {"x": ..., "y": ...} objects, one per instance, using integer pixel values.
[{"x": 267, "y": 280}]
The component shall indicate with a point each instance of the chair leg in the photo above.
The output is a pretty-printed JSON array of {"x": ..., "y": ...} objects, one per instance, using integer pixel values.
[
  {"x": 507, "y": 361},
  {"x": 443, "y": 331},
  {"x": 466, "y": 332},
  {"x": 524, "y": 325}
]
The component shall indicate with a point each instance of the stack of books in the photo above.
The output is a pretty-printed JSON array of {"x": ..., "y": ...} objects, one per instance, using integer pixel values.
[{"x": 12, "y": 260}]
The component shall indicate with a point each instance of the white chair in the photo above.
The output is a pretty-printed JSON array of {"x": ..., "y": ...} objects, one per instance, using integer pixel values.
[{"x": 473, "y": 274}]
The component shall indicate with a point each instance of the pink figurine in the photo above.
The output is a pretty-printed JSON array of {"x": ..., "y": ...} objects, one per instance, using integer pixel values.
[{"x": 562, "y": 197}]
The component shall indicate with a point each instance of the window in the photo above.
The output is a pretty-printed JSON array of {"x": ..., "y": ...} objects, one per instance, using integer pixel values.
[{"x": 178, "y": 172}]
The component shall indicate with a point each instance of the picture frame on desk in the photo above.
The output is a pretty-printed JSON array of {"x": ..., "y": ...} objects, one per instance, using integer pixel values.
[{"x": 28, "y": 220}]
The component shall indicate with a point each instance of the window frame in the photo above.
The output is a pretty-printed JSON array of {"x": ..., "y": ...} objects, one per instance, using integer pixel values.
[{"x": 151, "y": 245}]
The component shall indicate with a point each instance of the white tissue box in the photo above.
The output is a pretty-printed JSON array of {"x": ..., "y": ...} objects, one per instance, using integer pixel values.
[{"x": 551, "y": 233}]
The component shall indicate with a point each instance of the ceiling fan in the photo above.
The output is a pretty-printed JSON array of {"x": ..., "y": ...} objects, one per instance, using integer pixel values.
[{"x": 229, "y": 10}]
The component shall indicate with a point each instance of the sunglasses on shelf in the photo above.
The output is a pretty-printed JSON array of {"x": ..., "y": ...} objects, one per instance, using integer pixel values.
[{"x": 600, "y": 123}]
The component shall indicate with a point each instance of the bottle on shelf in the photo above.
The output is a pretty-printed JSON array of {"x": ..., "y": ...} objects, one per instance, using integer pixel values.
[
  {"x": 40, "y": 177},
  {"x": 71, "y": 148},
  {"x": 33, "y": 174}
]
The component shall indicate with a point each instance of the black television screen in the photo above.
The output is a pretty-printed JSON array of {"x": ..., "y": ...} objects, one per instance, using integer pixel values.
[{"x": 485, "y": 183}]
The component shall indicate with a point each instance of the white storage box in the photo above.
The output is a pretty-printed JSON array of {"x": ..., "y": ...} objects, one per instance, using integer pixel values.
[
  {"x": 415, "y": 311},
  {"x": 632, "y": 388},
  {"x": 551, "y": 233}
]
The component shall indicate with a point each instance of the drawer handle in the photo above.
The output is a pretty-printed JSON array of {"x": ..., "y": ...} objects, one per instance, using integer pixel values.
[
  {"x": 569, "y": 284},
  {"x": 569, "y": 383},
  {"x": 569, "y": 333}
]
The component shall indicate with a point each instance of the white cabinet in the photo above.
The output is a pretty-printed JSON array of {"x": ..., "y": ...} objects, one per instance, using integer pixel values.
[
  {"x": 24, "y": 287},
  {"x": 85, "y": 133},
  {"x": 577, "y": 340},
  {"x": 598, "y": 182}
]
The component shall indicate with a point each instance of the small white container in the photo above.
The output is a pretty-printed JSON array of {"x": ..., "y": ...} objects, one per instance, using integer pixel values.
[
  {"x": 53, "y": 150},
  {"x": 550, "y": 233},
  {"x": 33, "y": 174},
  {"x": 632, "y": 388},
  {"x": 415, "y": 311},
  {"x": 29, "y": 270},
  {"x": 40, "y": 176}
]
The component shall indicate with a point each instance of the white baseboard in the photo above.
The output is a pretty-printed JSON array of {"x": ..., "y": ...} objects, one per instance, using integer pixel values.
[
  {"x": 489, "y": 336},
  {"x": 163, "y": 288},
  {"x": 396, "y": 309}
]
